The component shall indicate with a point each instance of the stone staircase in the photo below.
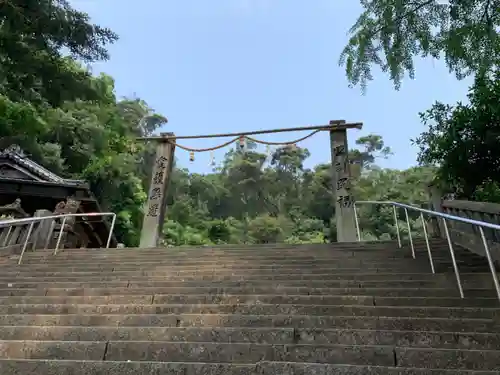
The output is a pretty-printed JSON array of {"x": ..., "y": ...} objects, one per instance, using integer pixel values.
[{"x": 302, "y": 310}]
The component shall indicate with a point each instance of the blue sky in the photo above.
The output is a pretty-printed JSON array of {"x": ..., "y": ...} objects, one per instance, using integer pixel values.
[{"x": 239, "y": 65}]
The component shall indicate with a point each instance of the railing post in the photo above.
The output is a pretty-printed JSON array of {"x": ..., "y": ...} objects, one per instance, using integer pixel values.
[
  {"x": 7, "y": 236},
  {"x": 409, "y": 234},
  {"x": 427, "y": 242},
  {"x": 60, "y": 235},
  {"x": 356, "y": 219},
  {"x": 344, "y": 200},
  {"x": 26, "y": 242},
  {"x": 111, "y": 228},
  {"x": 453, "y": 260},
  {"x": 490, "y": 262},
  {"x": 396, "y": 224}
]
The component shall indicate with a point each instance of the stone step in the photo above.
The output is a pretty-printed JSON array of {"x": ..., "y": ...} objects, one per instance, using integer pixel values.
[
  {"x": 43, "y": 265},
  {"x": 485, "y": 282},
  {"x": 472, "y": 284},
  {"x": 228, "y": 273},
  {"x": 347, "y": 255},
  {"x": 290, "y": 249},
  {"x": 235, "y": 281},
  {"x": 176, "y": 253},
  {"x": 410, "y": 266},
  {"x": 374, "y": 245},
  {"x": 260, "y": 309},
  {"x": 281, "y": 246},
  {"x": 223, "y": 274},
  {"x": 272, "y": 256},
  {"x": 255, "y": 321},
  {"x": 237, "y": 277},
  {"x": 415, "y": 265},
  {"x": 450, "y": 340},
  {"x": 245, "y": 353},
  {"x": 160, "y": 272},
  {"x": 366, "y": 300},
  {"x": 326, "y": 252},
  {"x": 61, "y": 367},
  {"x": 376, "y": 257},
  {"x": 246, "y": 290},
  {"x": 257, "y": 262},
  {"x": 373, "y": 268}
]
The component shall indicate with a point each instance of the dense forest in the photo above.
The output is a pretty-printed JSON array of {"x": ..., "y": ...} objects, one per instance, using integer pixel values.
[{"x": 71, "y": 122}]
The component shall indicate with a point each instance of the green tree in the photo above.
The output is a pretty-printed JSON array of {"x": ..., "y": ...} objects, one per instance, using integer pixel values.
[
  {"x": 373, "y": 149},
  {"x": 267, "y": 229},
  {"x": 34, "y": 35},
  {"x": 408, "y": 186},
  {"x": 463, "y": 141},
  {"x": 391, "y": 33}
]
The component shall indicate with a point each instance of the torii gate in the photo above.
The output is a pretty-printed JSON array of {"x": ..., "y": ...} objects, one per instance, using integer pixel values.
[{"x": 156, "y": 204}]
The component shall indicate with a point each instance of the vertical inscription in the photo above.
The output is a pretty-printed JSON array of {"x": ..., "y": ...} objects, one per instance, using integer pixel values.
[
  {"x": 155, "y": 206},
  {"x": 156, "y": 190},
  {"x": 341, "y": 164},
  {"x": 341, "y": 186}
]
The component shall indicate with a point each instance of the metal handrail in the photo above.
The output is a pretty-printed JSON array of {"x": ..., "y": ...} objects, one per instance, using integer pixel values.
[
  {"x": 33, "y": 220},
  {"x": 444, "y": 217}
]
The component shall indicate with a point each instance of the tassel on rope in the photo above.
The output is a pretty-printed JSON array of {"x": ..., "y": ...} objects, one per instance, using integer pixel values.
[
  {"x": 242, "y": 142},
  {"x": 212, "y": 159}
]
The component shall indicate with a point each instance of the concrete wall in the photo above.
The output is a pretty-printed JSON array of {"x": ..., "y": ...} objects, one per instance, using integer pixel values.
[{"x": 468, "y": 235}]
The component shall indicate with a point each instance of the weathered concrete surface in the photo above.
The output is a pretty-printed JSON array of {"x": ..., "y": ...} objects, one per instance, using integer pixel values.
[
  {"x": 15, "y": 367},
  {"x": 284, "y": 368},
  {"x": 313, "y": 284},
  {"x": 256, "y": 335},
  {"x": 449, "y": 358},
  {"x": 255, "y": 321},
  {"x": 258, "y": 309},
  {"x": 228, "y": 276},
  {"x": 146, "y": 297},
  {"x": 247, "y": 289},
  {"x": 52, "y": 350},
  {"x": 248, "y": 353}
]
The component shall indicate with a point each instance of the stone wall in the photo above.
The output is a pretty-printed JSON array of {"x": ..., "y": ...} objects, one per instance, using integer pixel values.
[
  {"x": 463, "y": 234},
  {"x": 468, "y": 235}
]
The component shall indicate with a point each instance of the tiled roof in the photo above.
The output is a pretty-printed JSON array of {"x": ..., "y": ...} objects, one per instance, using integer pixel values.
[{"x": 16, "y": 154}]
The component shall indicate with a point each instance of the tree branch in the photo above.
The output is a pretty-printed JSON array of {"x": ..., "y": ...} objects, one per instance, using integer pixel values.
[{"x": 401, "y": 17}]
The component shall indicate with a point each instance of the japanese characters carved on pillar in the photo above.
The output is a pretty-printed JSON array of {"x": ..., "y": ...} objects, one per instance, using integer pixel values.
[
  {"x": 343, "y": 187},
  {"x": 155, "y": 198}
]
